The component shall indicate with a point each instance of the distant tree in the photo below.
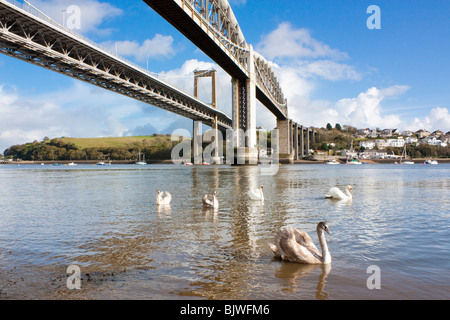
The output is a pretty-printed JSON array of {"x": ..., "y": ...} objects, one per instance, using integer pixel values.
[
  {"x": 349, "y": 129},
  {"x": 338, "y": 127},
  {"x": 329, "y": 126}
]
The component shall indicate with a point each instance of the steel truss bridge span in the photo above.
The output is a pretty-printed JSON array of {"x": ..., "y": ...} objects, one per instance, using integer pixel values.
[
  {"x": 29, "y": 35},
  {"x": 213, "y": 28}
]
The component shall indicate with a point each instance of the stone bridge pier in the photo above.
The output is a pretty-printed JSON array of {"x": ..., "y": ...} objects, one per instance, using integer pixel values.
[{"x": 294, "y": 140}]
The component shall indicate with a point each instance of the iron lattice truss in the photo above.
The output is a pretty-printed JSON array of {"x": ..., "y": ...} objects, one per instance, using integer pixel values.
[
  {"x": 216, "y": 19},
  {"x": 25, "y": 36}
]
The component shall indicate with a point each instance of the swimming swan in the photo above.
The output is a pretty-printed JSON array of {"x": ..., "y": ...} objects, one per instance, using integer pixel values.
[
  {"x": 210, "y": 200},
  {"x": 335, "y": 193},
  {"x": 160, "y": 199},
  {"x": 256, "y": 194},
  {"x": 297, "y": 246}
]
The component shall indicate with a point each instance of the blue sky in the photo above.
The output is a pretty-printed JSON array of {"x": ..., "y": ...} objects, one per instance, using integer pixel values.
[{"x": 332, "y": 68}]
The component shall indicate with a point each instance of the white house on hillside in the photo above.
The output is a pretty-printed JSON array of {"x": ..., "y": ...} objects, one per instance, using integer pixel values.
[
  {"x": 367, "y": 144},
  {"x": 396, "y": 143},
  {"x": 411, "y": 140}
]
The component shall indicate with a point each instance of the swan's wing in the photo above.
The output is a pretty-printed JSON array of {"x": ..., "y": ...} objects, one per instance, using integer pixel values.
[
  {"x": 254, "y": 194},
  {"x": 335, "y": 193},
  {"x": 305, "y": 240},
  {"x": 276, "y": 249},
  {"x": 208, "y": 200},
  {"x": 293, "y": 251},
  {"x": 168, "y": 197}
]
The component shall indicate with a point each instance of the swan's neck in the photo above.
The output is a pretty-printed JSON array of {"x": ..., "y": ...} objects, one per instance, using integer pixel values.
[
  {"x": 326, "y": 257},
  {"x": 261, "y": 194},
  {"x": 349, "y": 194}
]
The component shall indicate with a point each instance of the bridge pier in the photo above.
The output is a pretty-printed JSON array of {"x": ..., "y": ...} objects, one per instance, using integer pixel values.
[
  {"x": 306, "y": 138},
  {"x": 197, "y": 138},
  {"x": 302, "y": 144},
  {"x": 285, "y": 143},
  {"x": 295, "y": 140},
  {"x": 244, "y": 115}
]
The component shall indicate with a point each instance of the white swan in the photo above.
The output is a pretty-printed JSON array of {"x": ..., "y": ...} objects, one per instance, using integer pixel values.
[
  {"x": 297, "y": 246},
  {"x": 210, "y": 200},
  {"x": 160, "y": 199},
  {"x": 256, "y": 194},
  {"x": 335, "y": 193}
]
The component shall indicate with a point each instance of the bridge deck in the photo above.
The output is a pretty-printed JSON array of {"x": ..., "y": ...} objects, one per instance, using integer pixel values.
[{"x": 38, "y": 40}]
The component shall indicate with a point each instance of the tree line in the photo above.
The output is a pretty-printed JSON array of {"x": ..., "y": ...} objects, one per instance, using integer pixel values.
[{"x": 56, "y": 149}]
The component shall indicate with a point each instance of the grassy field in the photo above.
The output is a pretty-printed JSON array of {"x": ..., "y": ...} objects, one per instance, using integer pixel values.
[{"x": 115, "y": 142}]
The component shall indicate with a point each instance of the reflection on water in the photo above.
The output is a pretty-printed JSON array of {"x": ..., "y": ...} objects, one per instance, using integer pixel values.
[
  {"x": 106, "y": 221},
  {"x": 163, "y": 210},
  {"x": 293, "y": 274}
]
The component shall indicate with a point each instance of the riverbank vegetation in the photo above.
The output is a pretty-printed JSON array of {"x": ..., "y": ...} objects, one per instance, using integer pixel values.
[{"x": 155, "y": 147}]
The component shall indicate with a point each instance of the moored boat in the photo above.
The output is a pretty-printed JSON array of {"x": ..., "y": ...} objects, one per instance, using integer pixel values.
[
  {"x": 333, "y": 161},
  {"x": 353, "y": 161}
]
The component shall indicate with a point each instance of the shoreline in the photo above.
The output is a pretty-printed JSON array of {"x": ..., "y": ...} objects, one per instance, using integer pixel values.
[
  {"x": 374, "y": 161},
  {"x": 282, "y": 161}
]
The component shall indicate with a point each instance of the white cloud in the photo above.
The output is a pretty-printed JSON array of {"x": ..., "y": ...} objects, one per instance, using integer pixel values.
[
  {"x": 159, "y": 46},
  {"x": 366, "y": 111},
  {"x": 92, "y": 13},
  {"x": 328, "y": 70},
  {"x": 437, "y": 119},
  {"x": 288, "y": 42},
  {"x": 299, "y": 58},
  {"x": 78, "y": 111}
]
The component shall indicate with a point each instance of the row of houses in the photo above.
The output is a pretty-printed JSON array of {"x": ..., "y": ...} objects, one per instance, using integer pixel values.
[{"x": 437, "y": 138}]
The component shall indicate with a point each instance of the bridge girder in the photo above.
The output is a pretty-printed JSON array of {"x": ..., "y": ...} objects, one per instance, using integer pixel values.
[
  {"x": 212, "y": 27},
  {"x": 34, "y": 40}
]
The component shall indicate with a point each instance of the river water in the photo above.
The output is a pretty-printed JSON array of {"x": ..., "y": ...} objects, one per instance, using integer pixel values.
[{"x": 104, "y": 221}]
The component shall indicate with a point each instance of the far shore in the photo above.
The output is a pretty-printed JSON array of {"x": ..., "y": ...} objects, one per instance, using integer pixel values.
[{"x": 282, "y": 161}]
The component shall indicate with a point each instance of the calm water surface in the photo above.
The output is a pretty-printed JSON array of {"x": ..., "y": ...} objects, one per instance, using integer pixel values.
[{"x": 105, "y": 220}]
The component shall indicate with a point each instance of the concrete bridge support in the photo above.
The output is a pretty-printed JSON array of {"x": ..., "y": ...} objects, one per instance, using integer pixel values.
[
  {"x": 244, "y": 115},
  {"x": 285, "y": 133},
  {"x": 295, "y": 140}
]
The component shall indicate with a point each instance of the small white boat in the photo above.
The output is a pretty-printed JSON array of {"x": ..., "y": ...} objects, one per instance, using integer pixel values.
[
  {"x": 72, "y": 164},
  {"x": 205, "y": 164},
  {"x": 141, "y": 162},
  {"x": 333, "y": 161},
  {"x": 431, "y": 162},
  {"x": 353, "y": 161},
  {"x": 101, "y": 163},
  {"x": 404, "y": 157},
  {"x": 188, "y": 164}
]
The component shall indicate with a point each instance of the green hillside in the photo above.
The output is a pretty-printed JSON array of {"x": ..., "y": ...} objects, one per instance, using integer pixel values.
[
  {"x": 156, "y": 147},
  {"x": 113, "y": 142}
]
